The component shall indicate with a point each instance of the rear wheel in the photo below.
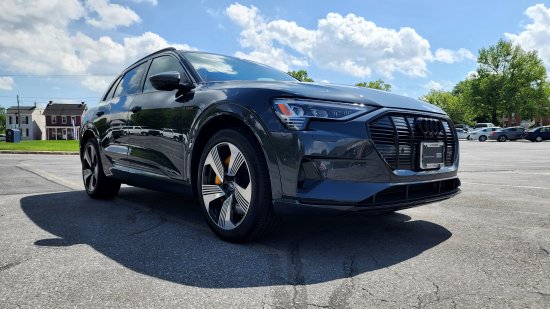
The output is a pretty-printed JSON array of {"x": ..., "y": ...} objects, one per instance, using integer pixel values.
[
  {"x": 234, "y": 187},
  {"x": 482, "y": 138},
  {"x": 97, "y": 185},
  {"x": 502, "y": 138}
]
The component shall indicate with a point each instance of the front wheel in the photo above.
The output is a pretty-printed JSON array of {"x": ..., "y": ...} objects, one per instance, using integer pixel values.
[
  {"x": 482, "y": 138},
  {"x": 538, "y": 139},
  {"x": 234, "y": 187},
  {"x": 502, "y": 138},
  {"x": 97, "y": 185}
]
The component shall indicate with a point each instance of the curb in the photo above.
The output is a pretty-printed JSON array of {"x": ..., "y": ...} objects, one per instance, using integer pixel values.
[{"x": 39, "y": 152}]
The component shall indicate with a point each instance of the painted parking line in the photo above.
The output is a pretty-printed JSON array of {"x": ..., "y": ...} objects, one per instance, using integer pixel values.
[{"x": 502, "y": 185}]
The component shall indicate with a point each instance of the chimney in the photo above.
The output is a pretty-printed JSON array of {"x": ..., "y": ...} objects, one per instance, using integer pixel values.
[{"x": 50, "y": 103}]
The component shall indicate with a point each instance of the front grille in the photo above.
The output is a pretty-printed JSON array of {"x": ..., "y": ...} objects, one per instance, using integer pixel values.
[
  {"x": 411, "y": 193},
  {"x": 397, "y": 138}
]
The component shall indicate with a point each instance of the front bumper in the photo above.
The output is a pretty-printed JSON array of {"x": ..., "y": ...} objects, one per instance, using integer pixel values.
[{"x": 337, "y": 166}]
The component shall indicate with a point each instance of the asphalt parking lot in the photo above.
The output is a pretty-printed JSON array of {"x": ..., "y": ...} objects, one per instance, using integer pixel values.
[{"x": 487, "y": 247}]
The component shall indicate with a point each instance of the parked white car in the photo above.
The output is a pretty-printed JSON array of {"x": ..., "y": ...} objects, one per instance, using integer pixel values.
[
  {"x": 170, "y": 133},
  {"x": 138, "y": 130},
  {"x": 483, "y": 134},
  {"x": 462, "y": 133},
  {"x": 481, "y": 125}
]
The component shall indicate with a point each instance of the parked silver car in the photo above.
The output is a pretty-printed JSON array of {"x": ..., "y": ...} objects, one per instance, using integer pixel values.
[
  {"x": 462, "y": 133},
  {"x": 483, "y": 134}
]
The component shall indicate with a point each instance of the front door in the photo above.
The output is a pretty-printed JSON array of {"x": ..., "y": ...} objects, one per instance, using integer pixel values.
[{"x": 167, "y": 117}]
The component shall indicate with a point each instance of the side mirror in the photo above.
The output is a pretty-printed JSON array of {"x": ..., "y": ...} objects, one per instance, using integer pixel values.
[{"x": 168, "y": 81}]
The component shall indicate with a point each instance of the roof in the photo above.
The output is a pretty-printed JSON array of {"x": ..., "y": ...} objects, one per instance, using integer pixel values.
[
  {"x": 65, "y": 109},
  {"x": 21, "y": 109}
]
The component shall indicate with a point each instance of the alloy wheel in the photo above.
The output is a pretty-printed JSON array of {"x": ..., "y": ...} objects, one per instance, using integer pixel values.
[
  {"x": 90, "y": 168},
  {"x": 226, "y": 185}
]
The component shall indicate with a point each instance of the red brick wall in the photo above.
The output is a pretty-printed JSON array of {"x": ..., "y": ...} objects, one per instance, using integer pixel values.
[{"x": 59, "y": 119}]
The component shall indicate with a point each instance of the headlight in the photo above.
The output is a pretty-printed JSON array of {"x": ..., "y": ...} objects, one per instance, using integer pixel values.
[{"x": 294, "y": 113}]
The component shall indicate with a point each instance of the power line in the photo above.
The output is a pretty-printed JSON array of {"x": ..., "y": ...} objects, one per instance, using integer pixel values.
[{"x": 56, "y": 75}]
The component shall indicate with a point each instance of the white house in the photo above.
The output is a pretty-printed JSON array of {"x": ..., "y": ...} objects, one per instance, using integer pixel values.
[{"x": 29, "y": 119}]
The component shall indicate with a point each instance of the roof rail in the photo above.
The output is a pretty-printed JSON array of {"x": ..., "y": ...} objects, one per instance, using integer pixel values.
[{"x": 157, "y": 52}]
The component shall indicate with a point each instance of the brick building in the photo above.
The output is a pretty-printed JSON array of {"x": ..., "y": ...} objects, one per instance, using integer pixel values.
[
  {"x": 516, "y": 120},
  {"x": 63, "y": 120}
]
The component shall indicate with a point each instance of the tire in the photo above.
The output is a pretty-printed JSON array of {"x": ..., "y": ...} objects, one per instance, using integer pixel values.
[
  {"x": 97, "y": 185},
  {"x": 538, "y": 139},
  {"x": 233, "y": 187},
  {"x": 482, "y": 138},
  {"x": 468, "y": 137},
  {"x": 502, "y": 138}
]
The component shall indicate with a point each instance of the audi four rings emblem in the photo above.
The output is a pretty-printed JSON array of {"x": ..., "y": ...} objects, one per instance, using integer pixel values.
[{"x": 428, "y": 126}]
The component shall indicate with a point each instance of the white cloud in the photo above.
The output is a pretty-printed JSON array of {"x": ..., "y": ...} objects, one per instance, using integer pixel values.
[
  {"x": 33, "y": 44},
  {"x": 348, "y": 43},
  {"x": 152, "y": 2},
  {"x": 536, "y": 35},
  {"x": 444, "y": 85},
  {"x": 256, "y": 35},
  {"x": 451, "y": 56},
  {"x": 6, "y": 83},
  {"x": 96, "y": 83},
  {"x": 110, "y": 15}
]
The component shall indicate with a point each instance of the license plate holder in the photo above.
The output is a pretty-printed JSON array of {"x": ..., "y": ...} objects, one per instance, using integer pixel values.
[{"x": 432, "y": 155}]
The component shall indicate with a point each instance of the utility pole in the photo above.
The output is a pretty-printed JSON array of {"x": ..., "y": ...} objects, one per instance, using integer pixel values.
[{"x": 18, "y": 114}]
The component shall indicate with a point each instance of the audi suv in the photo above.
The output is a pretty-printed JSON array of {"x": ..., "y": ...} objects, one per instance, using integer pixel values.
[{"x": 258, "y": 144}]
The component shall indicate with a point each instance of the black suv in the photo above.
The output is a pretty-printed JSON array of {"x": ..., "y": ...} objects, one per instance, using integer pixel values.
[{"x": 256, "y": 143}]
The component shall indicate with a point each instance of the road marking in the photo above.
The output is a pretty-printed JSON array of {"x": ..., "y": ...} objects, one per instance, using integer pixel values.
[
  {"x": 501, "y": 185},
  {"x": 50, "y": 177}
]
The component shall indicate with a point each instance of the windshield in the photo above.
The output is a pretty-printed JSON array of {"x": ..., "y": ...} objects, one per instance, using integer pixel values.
[{"x": 213, "y": 67}]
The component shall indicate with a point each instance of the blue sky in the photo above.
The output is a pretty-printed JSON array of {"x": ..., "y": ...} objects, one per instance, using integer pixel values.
[{"x": 68, "y": 50}]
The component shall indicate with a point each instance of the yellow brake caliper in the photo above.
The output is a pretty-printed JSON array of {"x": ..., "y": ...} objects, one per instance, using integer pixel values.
[{"x": 218, "y": 181}]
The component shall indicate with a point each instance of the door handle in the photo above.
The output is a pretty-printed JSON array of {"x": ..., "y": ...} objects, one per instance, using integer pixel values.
[{"x": 135, "y": 109}]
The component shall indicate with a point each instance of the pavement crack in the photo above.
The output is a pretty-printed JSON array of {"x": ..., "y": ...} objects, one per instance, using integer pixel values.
[
  {"x": 340, "y": 297},
  {"x": 299, "y": 295},
  {"x": 544, "y": 250},
  {"x": 318, "y": 306},
  {"x": 161, "y": 222},
  {"x": 10, "y": 265}
]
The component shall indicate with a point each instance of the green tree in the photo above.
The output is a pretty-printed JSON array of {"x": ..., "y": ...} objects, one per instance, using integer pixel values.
[
  {"x": 451, "y": 104},
  {"x": 2, "y": 120},
  {"x": 507, "y": 80},
  {"x": 377, "y": 84},
  {"x": 300, "y": 75}
]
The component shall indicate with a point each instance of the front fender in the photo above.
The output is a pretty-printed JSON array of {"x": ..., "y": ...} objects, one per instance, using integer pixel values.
[{"x": 256, "y": 126}]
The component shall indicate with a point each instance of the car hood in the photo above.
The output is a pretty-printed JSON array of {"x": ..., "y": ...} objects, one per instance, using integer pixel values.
[{"x": 340, "y": 93}]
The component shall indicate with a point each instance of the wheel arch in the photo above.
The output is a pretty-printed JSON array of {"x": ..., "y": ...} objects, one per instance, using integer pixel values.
[
  {"x": 231, "y": 115},
  {"x": 86, "y": 135}
]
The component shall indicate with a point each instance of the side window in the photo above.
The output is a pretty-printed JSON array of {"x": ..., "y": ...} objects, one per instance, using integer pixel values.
[
  {"x": 131, "y": 81},
  {"x": 163, "y": 64},
  {"x": 109, "y": 95}
]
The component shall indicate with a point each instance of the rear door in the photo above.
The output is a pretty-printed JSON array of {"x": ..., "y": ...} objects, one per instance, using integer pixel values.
[
  {"x": 155, "y": 154},
  {"x": 112, "y": 119}
]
